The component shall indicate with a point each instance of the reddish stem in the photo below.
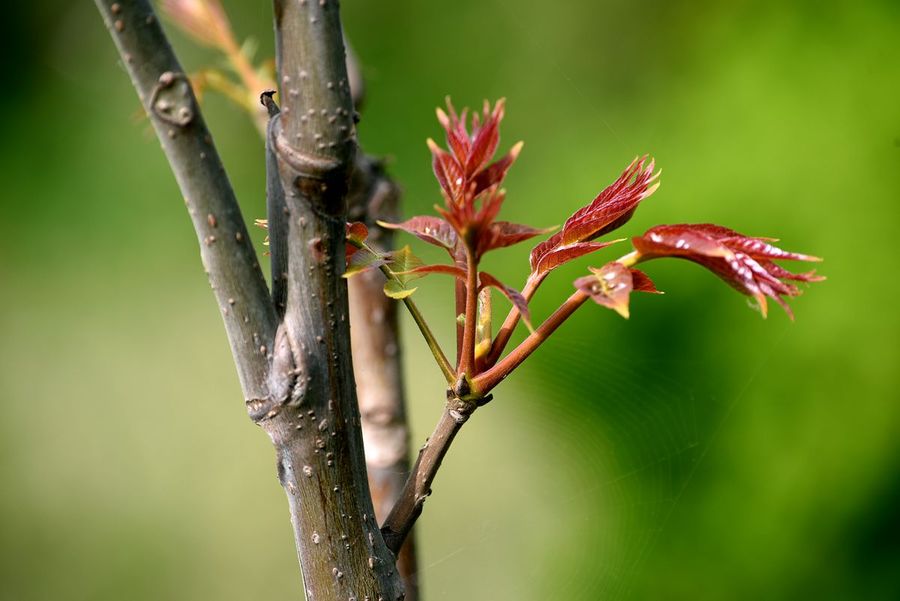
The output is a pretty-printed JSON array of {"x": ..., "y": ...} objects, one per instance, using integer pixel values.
[
  {"x": 485, "y": 382},
  {"x": 510, "y": 323},
  {"x": 467, "y": 360}
]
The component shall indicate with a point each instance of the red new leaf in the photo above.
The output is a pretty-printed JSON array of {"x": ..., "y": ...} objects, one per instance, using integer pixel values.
[
  {"x": 612, "y": 285},
  {"x": 501, "y": 234},
  {"x": 469, "y": 181},
  {"x": 486, "y": 137},
  {"x": 744, "y": 262},
  {"x": 544, "y": 262},
  {"x": 496, "y": 171},
  {"x": 640, "y": 282},
  {"x": 432, "y": 230},
  {"x": 446, "y": 170},
  {"x": 611, "y": 209}
]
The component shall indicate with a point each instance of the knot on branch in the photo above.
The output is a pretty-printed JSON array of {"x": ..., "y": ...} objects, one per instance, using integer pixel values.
[
  {"x": 461, "y": 408},
  {"x": 172, "y": 99},
  {"x": 321, "y": 180}
]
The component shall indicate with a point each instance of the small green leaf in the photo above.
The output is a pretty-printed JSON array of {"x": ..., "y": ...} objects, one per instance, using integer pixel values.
[
  {"x": 403, "y": 261},
  {"x": 362, "y": 260},
  {"x": 397, "y": 290},
  {"x": 399, "y": 263}
]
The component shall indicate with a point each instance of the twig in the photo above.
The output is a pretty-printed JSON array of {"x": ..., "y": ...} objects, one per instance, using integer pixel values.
[
  {"x": 225, "y": 248},
  {"x": 418, "y": 486}
]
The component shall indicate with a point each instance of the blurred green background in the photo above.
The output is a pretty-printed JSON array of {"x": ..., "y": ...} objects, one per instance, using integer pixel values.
[{"x": 694, "y": 452}]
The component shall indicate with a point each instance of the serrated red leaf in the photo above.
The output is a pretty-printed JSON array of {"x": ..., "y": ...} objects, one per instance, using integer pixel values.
[
  {"x": 465, "y": 174},
  {"x": 501, "y": 234},
  {"x": 555, "y": 257},
  {"x": 492, "y": 201},
  {"x": 442, "y": 269},
  {"x": 640, "y": 282},
  {"x": 743, "y": 262},
  {"x": 486, "y": 137},
  {"x": 611, "y": 209},
  {"x": 494, "y": 173},
  {"x": 613, "y": 206},
  {"x": 446, "y": 169},
  {"x": 432, "y": 230}
]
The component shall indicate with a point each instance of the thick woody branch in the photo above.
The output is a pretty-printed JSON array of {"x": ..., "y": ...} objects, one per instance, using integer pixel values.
[
  {"x": 318, "y": 113},
  {"x": 316, "y": 430},
  {"x": 225, "y": 249}
]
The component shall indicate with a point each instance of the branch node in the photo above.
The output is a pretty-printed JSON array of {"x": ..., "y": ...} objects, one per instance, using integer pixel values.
[
  {"x": 172, "y": 100},
  {"x": 305, "y": 165}
]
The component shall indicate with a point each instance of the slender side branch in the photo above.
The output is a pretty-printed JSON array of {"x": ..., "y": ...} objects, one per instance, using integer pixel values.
[
  {"x": 225, "y": 248},
  {"x": 419, "y": 319},
  {"x": 409, "y": 506},
  {"x": 487, "y": 380},
  {"x": 430, "y": 339}
]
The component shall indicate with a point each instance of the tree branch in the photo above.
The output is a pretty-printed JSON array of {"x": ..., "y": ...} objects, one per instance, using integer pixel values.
[
  {"x": 321, "y": 460},
  {"x": 418, "y": 486},
  {"x": 225, "y": 248},
  {"x": 299, "y": 380},
  {"x": 376, "y": 357},
  {"x": 460, "y": 405}
]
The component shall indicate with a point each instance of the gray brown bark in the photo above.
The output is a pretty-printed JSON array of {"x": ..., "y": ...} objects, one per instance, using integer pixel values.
[
  {"x": 225, "y": 249},
  {"x": 297, "y": 381}
]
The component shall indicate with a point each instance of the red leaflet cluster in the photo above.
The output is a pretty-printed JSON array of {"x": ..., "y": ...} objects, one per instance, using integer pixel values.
[
  {"x": 470, "y": 183},
  {"x": 467, "y": 228},
  {"x": 744, "y": 262}
]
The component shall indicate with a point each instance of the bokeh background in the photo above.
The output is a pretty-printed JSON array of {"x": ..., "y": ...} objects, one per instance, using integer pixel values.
[{"x": 694, "y": 452}]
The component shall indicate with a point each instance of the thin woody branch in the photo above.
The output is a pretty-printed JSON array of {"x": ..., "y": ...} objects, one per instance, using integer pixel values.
[
  {"x": 225, "y": 248},
  {"x": 418, "y": 486},
  {"x": 460, "y": 405}
]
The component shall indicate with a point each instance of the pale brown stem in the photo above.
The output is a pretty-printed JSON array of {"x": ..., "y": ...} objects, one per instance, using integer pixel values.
[{"x": 377, "y": 359}]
